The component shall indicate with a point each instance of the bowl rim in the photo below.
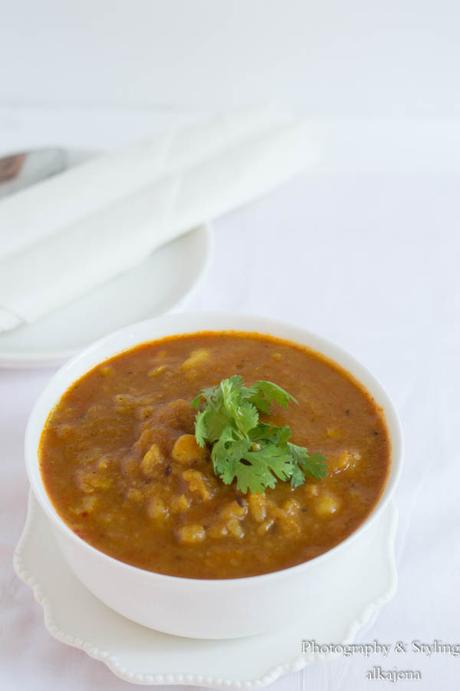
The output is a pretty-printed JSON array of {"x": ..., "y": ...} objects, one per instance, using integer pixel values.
[{"x": 244, "y": 323}]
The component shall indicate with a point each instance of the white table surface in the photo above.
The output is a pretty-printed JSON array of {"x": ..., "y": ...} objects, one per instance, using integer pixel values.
[{"x": 366, "y": 252}]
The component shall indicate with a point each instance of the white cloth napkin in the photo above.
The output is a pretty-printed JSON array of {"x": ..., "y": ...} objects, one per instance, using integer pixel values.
[{"x": 64, "y": 236}]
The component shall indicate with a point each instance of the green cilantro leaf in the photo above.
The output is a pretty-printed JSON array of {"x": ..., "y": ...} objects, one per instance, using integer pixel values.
[
  {"x": 297, "y": 477},
  {"x": 264, "y": 393},
  {"x": 244, "y": 450},
  {"x": 306, "y": 464},
  {"x": 277, "y": 435},
  {"x": 201, "y": 432}
]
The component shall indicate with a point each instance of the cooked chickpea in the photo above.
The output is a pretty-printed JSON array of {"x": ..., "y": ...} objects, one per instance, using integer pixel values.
[
  {"x": 151, "y": 460},
  {"x": 156, "y": 371},
  {"x": 157, "y": 509},
  {"x": 286, "y": 521},
  {"x": 144, "y": 441},
  {"x": 258, "y": 507},
  {"x": 289, "y": 526},
  {"x": 233, "y": 510},
  {"x": 346, "y": 460},
  {"x": 326, "y": 505},
  {"x": 180, "y": 504},
  {"x": 196, "y": 483},
  {"x": 234, "y": 528},
  {"x": 191, "y": 534},
  {"x": 91, "y": 481},
  {"x": 186, "y": 449},
  {"x": 196, "y": 358}
]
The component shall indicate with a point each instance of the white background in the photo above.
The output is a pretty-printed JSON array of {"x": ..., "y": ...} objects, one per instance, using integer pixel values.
[
  {"x": 397, "y": 58},
  {"x": 364, "y": 251}
]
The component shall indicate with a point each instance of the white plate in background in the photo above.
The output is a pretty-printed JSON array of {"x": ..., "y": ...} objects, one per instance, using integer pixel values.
[
  {"x": 153, "y": 287},
  {"x": 148, "y": 290}
]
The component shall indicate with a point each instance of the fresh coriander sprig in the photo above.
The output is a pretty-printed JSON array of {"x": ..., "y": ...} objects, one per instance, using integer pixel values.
[{"x": 255, "y": 454}]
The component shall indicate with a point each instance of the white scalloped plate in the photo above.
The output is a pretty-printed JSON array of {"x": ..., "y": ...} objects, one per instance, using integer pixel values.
[{"x": 366, "y": 580}]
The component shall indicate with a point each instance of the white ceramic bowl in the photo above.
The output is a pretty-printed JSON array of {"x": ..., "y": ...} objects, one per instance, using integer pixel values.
[{"x": 191, "y": 607}]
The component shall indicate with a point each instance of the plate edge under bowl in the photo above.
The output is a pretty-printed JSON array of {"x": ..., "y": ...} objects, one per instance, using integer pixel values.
[{"x": 298, "y": 663}]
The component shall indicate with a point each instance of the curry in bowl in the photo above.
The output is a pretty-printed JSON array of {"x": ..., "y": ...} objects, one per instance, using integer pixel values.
[{"x": 215, "y": 455}]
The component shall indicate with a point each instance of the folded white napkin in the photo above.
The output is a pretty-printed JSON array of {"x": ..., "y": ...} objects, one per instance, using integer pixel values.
[{"x": 64, "y": 236}]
